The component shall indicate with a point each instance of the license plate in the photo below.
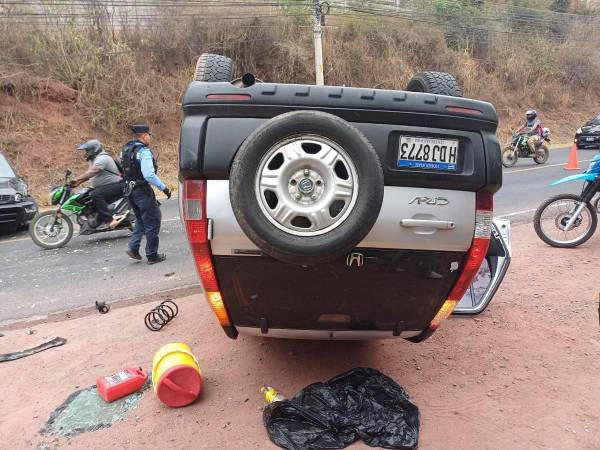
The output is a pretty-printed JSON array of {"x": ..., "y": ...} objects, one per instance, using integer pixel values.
[
  {"x": 428, "y": 153},
  {"x": 589, "y": 139}
]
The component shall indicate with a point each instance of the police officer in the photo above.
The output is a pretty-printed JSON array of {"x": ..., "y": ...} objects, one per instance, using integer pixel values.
[{"x": 139, "y": 168}]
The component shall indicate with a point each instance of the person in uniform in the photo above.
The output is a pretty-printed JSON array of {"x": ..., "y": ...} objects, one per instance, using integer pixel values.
[{"x": 140, "y": 173}]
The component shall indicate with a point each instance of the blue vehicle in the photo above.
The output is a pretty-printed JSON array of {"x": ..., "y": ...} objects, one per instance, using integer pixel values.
[{"x": 568, "y": 220}]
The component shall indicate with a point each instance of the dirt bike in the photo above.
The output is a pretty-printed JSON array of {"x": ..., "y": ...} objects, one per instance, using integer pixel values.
[
  {"x": 517, "y": 148},
  {"x": 53, "y": 229},
  {"x": 568, "y": 220}
]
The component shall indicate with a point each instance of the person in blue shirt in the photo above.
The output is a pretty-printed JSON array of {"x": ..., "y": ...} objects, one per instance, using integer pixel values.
[{"x": 139, "y": 169}]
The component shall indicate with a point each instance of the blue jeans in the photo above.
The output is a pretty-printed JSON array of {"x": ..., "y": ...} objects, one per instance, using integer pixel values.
[{"x": 147, "y": 223}]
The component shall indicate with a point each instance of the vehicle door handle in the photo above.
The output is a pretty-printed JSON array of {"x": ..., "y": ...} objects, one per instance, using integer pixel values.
[{"x": 439, "y": 224}]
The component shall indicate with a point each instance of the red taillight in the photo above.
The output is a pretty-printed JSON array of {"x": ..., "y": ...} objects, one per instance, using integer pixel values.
[
  {"x": 196, "y": 225},
  {"x": 484, "y": 205},
  {"x": 229, "y": 97},
  {"x": 460, "y": 109}
]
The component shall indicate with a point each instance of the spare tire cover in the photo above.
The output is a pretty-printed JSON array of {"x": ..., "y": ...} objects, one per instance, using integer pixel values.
[{"x": 306, "y": 187}]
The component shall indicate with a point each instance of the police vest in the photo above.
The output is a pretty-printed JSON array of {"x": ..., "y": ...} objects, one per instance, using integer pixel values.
[{"x": 132, "y": 168}]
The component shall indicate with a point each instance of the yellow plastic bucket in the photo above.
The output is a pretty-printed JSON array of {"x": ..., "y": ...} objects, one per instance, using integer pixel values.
[{"x": 176, "y": 376}]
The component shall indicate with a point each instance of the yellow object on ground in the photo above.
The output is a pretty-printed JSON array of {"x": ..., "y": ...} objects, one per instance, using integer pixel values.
[
  {"x": 271, "y": 394},
  {"x": 170, "y": 356}
]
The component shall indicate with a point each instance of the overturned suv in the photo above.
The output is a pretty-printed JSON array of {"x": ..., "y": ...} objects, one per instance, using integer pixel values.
[{"x": 340, "y": 213}]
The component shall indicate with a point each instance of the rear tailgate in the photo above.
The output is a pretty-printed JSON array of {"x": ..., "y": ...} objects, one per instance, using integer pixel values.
[{"x": 414, "y": 254}]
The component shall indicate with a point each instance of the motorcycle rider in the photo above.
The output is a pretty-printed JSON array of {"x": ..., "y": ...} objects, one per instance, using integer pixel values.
[
  {"x": 533, "y": 129},
  {"x": 105, "y": 178},
  {"x": 139, "y": 168}
]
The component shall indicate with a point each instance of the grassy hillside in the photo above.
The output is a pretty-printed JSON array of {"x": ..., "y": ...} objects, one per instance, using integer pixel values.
[{"x": 66, "y": 80}]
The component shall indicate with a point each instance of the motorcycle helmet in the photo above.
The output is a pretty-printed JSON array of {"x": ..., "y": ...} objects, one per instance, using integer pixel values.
[
  {"x": 92, "y": 148},
  {"x": 531, "y": 114}
]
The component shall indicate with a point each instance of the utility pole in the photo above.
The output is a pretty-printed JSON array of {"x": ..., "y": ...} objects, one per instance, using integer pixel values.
[{"x": 318, "y": 44}]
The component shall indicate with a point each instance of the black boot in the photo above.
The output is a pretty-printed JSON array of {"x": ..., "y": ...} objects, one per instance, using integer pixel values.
[{"x": 159, "y": 257}]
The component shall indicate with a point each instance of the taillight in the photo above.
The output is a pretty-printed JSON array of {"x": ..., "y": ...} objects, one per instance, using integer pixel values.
[
  {"x": 229, "y": 97},
  {"x": 484, "y": 206},
  {"x": 196, "y": 225},
  {"x": 462, "y": 110}
]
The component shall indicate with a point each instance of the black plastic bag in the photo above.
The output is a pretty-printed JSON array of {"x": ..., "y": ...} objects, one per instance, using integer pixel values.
[{"x": 359, "y": 404}]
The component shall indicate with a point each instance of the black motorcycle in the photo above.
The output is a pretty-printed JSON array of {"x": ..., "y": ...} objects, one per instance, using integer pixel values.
[{"x": 53, "y": 229}]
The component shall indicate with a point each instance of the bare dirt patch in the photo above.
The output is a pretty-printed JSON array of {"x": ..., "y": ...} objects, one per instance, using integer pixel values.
[{"x": 521, "y": 375}]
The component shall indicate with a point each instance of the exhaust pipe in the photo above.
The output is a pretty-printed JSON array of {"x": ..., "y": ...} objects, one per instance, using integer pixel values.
[{"x": 248, "y": 80}]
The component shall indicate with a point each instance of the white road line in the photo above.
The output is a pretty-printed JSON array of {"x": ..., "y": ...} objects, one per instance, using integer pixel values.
[
  {"x": 516, "y": 213},
  {"x": 15, "y": 240},
  {"x": 542, "y": 167}
]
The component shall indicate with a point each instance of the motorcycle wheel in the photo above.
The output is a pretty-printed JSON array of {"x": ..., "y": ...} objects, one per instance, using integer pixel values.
[
  {"x": 552, "y": 216},
  {"x": 542, "y": 155},
  {"x": 509, "y": 157},
  {"x": 49, "y": 232}
]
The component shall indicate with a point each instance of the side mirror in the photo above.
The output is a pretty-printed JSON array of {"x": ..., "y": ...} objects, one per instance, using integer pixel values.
[{"x": 491, "y": 273}]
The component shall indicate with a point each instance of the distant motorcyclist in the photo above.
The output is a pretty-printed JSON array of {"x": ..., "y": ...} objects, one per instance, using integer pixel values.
[
  {"x": 105, "y": 178},
  {"x": 532, "y": 129}
]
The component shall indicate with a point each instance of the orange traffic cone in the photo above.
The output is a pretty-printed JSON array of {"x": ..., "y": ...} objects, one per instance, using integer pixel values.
[{"x": 572, "y": 163}]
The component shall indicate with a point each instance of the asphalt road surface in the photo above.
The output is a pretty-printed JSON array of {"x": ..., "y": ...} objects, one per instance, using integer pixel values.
[
  {"x": 527, "y": 184},
  {"x": 36, "y": 282}
]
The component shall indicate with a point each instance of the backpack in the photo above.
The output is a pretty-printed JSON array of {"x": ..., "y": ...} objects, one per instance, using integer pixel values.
[{"x": 129, "y": 165}]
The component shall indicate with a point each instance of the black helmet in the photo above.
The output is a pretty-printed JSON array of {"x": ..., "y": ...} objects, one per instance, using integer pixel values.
[
  {"x": 531, "y": 114},
  {"x": 92, "y": 148}
]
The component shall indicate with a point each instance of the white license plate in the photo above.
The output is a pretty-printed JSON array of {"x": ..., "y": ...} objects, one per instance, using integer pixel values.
[
  {"x": 589, "y": 139},
  {"x": 428, "y": 153}
]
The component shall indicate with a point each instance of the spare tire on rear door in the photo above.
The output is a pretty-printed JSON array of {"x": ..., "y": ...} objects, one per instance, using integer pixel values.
[
  {"x": 213, "y": 68},
  {"x": 306, "y": 187},
  {"x": 441, "y": 83}
]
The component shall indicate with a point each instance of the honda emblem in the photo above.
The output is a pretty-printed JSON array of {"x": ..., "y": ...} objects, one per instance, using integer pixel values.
[{"x": 355, "y": 258}]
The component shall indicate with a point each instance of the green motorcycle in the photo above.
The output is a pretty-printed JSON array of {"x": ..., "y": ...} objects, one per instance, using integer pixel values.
[{"x": 54, "y": 229}]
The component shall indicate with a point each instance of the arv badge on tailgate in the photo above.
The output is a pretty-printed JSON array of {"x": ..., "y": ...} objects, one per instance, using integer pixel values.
[{"x": 428, "y": 153}]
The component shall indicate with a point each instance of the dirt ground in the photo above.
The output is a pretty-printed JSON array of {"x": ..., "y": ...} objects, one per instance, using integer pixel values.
[{"x": 524, "y": 374}]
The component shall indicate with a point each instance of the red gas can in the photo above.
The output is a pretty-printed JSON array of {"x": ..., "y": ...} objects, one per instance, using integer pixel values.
[{"x": 121, "y": 384}]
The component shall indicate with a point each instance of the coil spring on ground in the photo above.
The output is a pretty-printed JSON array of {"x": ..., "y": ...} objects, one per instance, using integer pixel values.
[{"x": 156, "y": 319}]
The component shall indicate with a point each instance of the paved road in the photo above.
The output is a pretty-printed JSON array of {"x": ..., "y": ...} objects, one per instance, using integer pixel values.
[
  {"x": 527, "y": 184},
  {"x": 34, "y": 282}
]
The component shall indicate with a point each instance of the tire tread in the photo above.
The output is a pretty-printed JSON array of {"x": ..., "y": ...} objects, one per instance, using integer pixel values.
[{"x": 213, "y": 68}]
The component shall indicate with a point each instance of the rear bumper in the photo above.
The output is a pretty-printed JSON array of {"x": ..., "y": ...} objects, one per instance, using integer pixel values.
[{"x": 15, "y": 214}]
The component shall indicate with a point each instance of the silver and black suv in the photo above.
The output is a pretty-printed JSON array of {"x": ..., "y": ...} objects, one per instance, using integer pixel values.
[{"x": 340, "y": 213}]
